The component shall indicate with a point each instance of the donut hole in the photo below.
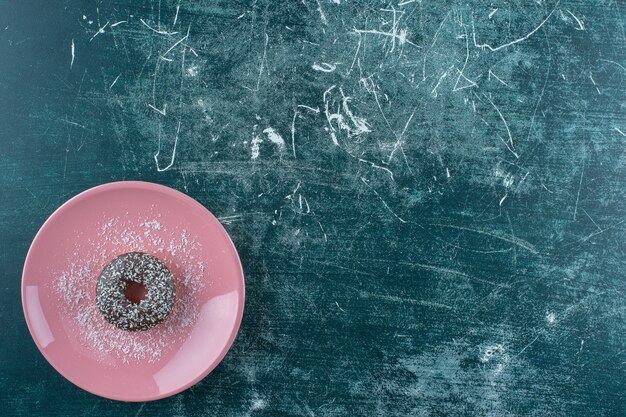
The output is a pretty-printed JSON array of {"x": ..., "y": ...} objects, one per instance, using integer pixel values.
[{"x": 135, "y": 292}]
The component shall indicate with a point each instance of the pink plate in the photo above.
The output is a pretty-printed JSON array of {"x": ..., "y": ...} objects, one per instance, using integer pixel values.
[{"x": 62, "y": 268}]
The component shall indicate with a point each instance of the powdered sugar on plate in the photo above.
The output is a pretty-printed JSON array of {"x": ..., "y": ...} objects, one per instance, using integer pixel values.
[{"x": 75, "y": 287}]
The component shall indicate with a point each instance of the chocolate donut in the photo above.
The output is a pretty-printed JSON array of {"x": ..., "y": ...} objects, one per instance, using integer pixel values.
[{"x": 145, "y": 270}]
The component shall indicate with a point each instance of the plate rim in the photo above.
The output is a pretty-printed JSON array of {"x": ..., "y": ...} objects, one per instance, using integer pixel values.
[{"x": 145, "y": 185}]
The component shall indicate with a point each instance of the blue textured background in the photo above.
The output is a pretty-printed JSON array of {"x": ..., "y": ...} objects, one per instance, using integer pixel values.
[{"x": 428, "y": 197}]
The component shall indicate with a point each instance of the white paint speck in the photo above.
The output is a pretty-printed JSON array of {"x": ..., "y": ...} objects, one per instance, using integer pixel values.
[
  {"x": 193, "y": 70},
  {"x": 489, "y": 352},
  {"x": 323, "y": 67},
  {"x": 256, "y": 149},
  {"x": 258, "y": 404},
  {"x": 274, "y": 137}
]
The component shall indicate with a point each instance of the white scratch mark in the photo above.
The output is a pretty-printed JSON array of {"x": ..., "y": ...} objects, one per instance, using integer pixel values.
[
  {"x": 334, "y": 138},
  {"x": 73, "y": 54},
  {"x": 100, "y": 30},
  {"x": 432, "y": 44},
  {"x": 400, "y": 36},
  {"x": 581, "y": 25},
  {"x": 613, "y": 62},
  {"x": 580, "y": 184},
  {"x": 325, "y": 237},
  {"x": 337, "y": 304},
  {"x": 395, "y": 34},
  {"x": 383, "y": 201},
  {"x": 114, "y": 81},
  {"x": 506, "y": 238},
  {"x": 546, "y": 188},
  {"x": 491, "y": 74},
  {"x": 405, "y": 2},
  {"x": 396, "y": 299},
  {"x": 441, "y": 270},
  {"x": 594, "y": 82},
  {"x": 518, "y": 40},
  {"x": 160, "y": 32},
  {"x": 434, "y": 90},
  {"x": 508, "y": 131},
  {"x": 526, "y": 347},
  {"x": 176, "y": 15},
  {"x": 156, "y": 155},
  {"x": 356, "y": 54},
  {"x": 324, "y": 67},
  {"x": 502, "y": 199},
  {"x": 69, "y": 122},
  {"x": 522, "y": 180},
  {"x": 373, "y": 165},
  {"x": 617, "y": 129},
  {"x": 293, "y": 133},
  {"x": 230, "y": 219},
  {"x": 399, "y": 138},
  {"x": 469, "y": 83},
  {"x": 601, "y": 231},
  {"x": 261, "y": 67},
  {"x": 180, "y": 103},
  {"x": 118, "y": 23},
  {"x": 322, "y": 15},
  {"x": 543, "y": 89},
  {"x": 140, "y": 409},
  {"x": 359, "y": 125},
  {"x": 492, "y": 13},
  {"x": 592, "y": 221},
  {"x": 184, "y": 38},
  {"x": 314, "y": 110},
  {"x": 330, "y": 117},
  {"x": 162, "y": 112}
]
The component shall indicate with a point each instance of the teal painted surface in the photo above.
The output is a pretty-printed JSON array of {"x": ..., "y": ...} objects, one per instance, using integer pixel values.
[{"x": 428, "y": 197}]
